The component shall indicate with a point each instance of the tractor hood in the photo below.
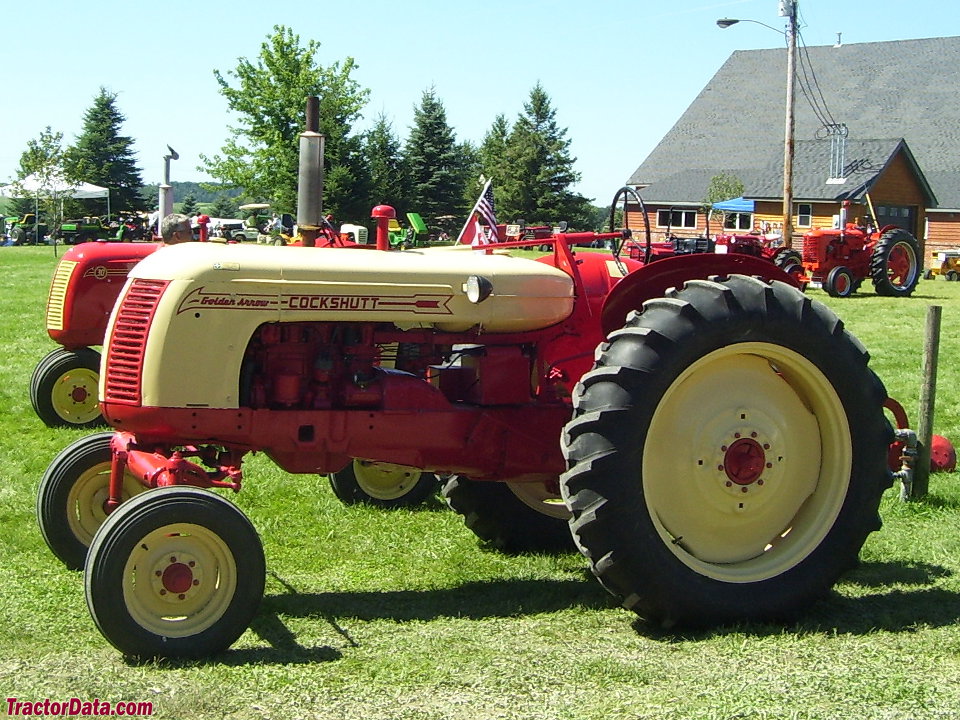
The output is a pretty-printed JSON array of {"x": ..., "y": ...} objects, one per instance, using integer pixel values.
[
  {"x": 188, "y": 311},
  {"x": 412, "y": 289}
]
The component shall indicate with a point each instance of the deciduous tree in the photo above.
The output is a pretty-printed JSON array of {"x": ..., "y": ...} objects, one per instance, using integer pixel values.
[{"x": 268, "y": 96}]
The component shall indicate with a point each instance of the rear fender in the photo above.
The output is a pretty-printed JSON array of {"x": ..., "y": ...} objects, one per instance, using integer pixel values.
[{"x": 653, "y": 280}]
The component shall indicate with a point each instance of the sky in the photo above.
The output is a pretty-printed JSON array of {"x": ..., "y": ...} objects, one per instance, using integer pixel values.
[{"x": 619, "y": 74}]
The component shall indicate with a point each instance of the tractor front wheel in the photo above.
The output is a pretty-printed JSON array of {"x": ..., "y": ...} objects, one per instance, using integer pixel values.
[
  {"x": 388, "y": 486},
  {"x": 512, "y": 517},
  {"x": 894, "y": 265},
  {"x": 727, "y": 455},
  {"x": 63, "y": 388},
  {"x": 72, "y": 497},
  {"x": 177, "y": 573},
  {"x": 840, "y": 282}
]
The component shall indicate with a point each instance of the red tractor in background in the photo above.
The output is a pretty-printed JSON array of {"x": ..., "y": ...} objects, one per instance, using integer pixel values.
[
  {"x": 840, "y": 259},
  {"x": 86, "y": 283},
  {"x": 84, "y": 288},
  {"x": 768, "y": 247}
]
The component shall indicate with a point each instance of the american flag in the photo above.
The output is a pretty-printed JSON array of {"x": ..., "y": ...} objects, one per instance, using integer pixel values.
[
  {"x": 484, "y": 209},
  {"x": 473, "y": 233}
]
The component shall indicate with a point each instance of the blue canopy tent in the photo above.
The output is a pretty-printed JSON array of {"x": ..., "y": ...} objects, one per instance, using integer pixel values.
[{"x": 739, "y": 205}]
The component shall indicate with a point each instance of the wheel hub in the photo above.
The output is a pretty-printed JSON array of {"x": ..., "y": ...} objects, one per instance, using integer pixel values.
[
  {"x": 176, "y": 576},
  {"x": 79, "y": 394},
  {"x": 744, "y": 461}
]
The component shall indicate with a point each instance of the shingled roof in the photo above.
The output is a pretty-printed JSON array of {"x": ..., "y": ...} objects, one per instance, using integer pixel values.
[{"x": 901, "y": 89}]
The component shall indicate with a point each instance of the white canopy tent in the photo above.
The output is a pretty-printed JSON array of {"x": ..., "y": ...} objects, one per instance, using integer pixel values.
[{"x": 33, "y": 186}]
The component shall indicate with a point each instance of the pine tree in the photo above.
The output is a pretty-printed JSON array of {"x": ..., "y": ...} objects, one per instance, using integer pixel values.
[
  {"x": 539, "y": 168},
  {"x": 436, "y": 164},
  {"x": 382, "y": 149},
  {"x": 492, "y": 156},
  {"x": 103, "y": 156},
  {"x": 223, "y": 207},
  {"x": 189, "y": 205}
]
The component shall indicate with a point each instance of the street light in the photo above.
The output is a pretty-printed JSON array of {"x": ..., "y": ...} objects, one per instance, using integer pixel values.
[{"x": 788, "y": 9}]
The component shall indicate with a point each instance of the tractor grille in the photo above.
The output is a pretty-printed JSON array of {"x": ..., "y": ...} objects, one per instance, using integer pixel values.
[
  {"x": 806, "y": 248},
  {"x": 128, "y": 341},
  {"x": 58, "y": 294}
]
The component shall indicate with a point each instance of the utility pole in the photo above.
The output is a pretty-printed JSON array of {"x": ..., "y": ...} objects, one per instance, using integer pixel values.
[{"x": 788, "y": 9}]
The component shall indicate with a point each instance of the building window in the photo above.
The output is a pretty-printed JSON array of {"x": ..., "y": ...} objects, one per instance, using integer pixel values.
[
  {"x": 804, "y": 215},
  {"x": 686, "y": 219},
  {"x": 738, "y": 221}
]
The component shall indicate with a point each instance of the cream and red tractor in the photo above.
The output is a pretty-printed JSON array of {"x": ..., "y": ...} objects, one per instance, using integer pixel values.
[
  {"x": 63, "y": 388},
  {"x": 85, "y": 286},
  {"x": 716, "y": 446}
]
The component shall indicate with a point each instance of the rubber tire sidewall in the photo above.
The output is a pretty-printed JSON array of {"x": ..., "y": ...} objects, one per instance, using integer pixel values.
[
  {"x": 502, "y": 520},
  {"x": 57, "y": 482},
  {"x": 125, "y": 528},
  {"x": 878, "y": 263},
  {"x": 45, "y": 377},
  {"x": 611, "y": 523}
]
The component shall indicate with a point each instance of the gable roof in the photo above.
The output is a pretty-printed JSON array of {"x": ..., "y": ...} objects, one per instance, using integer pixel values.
[
  {"x": 864, "y": 162},
  {"x": 899, "y": 89}
]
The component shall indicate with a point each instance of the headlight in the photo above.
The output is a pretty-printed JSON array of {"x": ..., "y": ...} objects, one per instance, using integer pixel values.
[{"x": 477, "y": 288}]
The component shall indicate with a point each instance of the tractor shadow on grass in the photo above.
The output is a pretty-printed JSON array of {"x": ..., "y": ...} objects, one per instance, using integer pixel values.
[
  {"x": 476, "y": 601},
  {"x": 907, "y": 598}
]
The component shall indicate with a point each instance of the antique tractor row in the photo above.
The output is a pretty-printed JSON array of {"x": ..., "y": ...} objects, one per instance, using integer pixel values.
[
  {"x": 711, "y": 438},
  {"x": 836, "y": 259},
  {"x": 63, "y": 388}
]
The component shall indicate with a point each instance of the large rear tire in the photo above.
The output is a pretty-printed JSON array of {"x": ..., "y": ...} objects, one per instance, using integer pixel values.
[
  {"x": 387, "y": 486},
  {"x": 727, "y": 455},
  {"x": 72, "y": 496},
  {"x": 512, "y": 517},
  {"x": 176, "y": 573},
  {"x": 63, "y": 388},
  {"x": 895, "y": 264}
]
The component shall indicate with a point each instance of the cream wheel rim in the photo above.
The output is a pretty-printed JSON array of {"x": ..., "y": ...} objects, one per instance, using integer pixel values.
[
  {"x": 747, "y": 462},
  {"x": 179, "y": 580},
  {"x": 87, "y": 499}
]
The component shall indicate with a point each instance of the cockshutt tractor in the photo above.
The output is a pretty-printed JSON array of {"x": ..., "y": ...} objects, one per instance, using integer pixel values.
[
  {"x": 86, "y": 283},
  {"x": 63, "y": 388},
  {"x": 711, "y": 438},
  {"x": 840, "y": 259}
]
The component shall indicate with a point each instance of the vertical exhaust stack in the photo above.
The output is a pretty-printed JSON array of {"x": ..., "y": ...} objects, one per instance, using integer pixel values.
[{"x": 310, "y": 176}]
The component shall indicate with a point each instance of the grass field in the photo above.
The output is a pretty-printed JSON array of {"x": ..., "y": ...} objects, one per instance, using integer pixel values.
[{"x": 372, "y": 614}]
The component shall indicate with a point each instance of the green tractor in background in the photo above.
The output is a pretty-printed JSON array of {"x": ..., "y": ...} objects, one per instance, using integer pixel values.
[{"x": 413, "y": 235}]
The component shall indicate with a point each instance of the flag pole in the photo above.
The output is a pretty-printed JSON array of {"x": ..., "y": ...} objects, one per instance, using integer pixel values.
[{"x": 473, "y": 211}]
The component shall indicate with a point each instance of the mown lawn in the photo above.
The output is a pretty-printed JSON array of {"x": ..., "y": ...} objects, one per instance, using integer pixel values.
[{"x": 372, "y": 614}]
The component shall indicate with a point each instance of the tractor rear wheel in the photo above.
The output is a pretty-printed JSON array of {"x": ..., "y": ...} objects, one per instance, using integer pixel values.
[
  {"x": 63, "y": 388},
  {"x": 177, "y": 573},
  {"x": 840, "y": 282},
  {"x": 388, "y": 486},
  {"x": 72, "y": 495},
  {"x": 895, "y": 265},
  {"x": 512, "y": 517},
  {"x": 790, "y": 261},
  {"x": 727, "y": 455}
]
